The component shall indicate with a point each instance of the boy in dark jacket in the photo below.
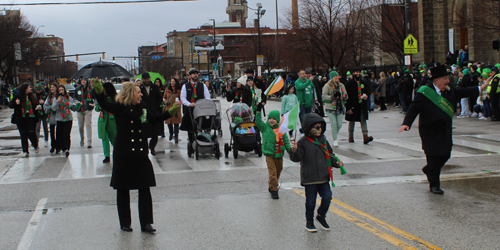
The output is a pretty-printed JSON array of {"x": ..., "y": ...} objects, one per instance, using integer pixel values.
[
  {"x": 316, "y": 158},
  {"x": 274, "y": 145}
]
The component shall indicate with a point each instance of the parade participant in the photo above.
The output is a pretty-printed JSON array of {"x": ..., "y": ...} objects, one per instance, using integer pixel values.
[
  {"x": 132, "y": 168},
  {"x": 152, "y": 97},
  {"x": 274, "y": 145},
  {"x": 106, "y": 125},
  {"x": 63, "y": 105},
  {"x": 435, "y": 105},
  {"x": 334, "y": 97},
  {"x": 51, "y": 117},
  {"x": 318, "y": 85},
  {"x": 161, "y": 87},
  {"x": 382, "y": 91},
  {"x": 241, "y": 93},
  {"x": 172, "y": 93},
  {"x": 85, "y": 95},
  {"x": 257, "y": 81},
  {"x": 41, "y": 96},
  {"x": 190, "y": 93},
  {"x": 356, "y": 106},
  {"x": 255, "y": 99},
  {"x": 316, "y": 157},
  {"x": 223, "y": 88},
  {"x": 211, "y": 90},
  {"x": 289, "y": 101},
  {"x": 26, "y": 117},
  {"x": 305, "y": 94},
  {"x": 494, "y": 93}
]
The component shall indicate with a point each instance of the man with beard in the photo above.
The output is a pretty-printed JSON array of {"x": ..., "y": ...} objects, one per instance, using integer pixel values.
[
  {"x": 190, "y": 93},
  {"x": 151, "y": 95},
  {"x": 85, "y": 94},
  {"x": 357, "y": 105}
]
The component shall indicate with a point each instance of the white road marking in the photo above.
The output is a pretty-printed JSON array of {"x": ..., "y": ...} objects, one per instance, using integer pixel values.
[{"x": 32, "y": 226}]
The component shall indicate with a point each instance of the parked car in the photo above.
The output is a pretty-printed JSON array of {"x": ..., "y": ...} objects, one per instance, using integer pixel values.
[
  {"x": 118, "y": 86},
  {"x": 70, "y": 88}
]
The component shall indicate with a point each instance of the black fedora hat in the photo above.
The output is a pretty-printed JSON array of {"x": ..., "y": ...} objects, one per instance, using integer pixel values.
[{"x": 439, "y": 71}]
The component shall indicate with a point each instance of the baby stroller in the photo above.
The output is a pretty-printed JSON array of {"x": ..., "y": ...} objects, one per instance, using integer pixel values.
[
  {"x": 245, "y": 135},
  {"x": 218, "y": 119},
  {"x": 203, "y": 117}
]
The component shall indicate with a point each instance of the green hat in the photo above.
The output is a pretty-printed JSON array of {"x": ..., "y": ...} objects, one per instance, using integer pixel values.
[
  {"x": 486, "y": 72},
  {"x": 497, "y": 65},
  {"x": 348, "y": 73},
  {"x": 404, "y": 68},
  {"x": 274, "y": 114},
  {"x": 424, "y": 65},
  {"x": 38, "y": 86},
  {"x": 333, "y": 74},
  {"x": 406, "y": 71},
  {"x": 465, "y": 72}
]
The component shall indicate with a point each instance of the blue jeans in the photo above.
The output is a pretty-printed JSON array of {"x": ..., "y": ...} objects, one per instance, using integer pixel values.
[
  {"x": 324, "y": 192},
  {"x": 487, "y": 107},
  {"x": 372, "y": 101},
  {"x": 402, "y": 101},
  {"x": 302, "y": 114}
]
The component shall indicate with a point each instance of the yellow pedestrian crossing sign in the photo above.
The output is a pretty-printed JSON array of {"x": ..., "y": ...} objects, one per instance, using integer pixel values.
[{"x": 410, "y": 45}]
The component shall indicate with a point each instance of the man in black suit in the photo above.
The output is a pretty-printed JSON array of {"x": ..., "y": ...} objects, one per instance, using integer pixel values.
[
  {"x": 435, "y": 103},
  {"x": 153, "y": 98}
]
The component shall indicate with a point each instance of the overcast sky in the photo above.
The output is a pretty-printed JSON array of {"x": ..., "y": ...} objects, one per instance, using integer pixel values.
[{"x": 118, "y": 29}]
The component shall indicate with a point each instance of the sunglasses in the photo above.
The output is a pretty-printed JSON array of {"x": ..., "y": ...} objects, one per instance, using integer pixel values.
[{"x": 318, "y": 127}]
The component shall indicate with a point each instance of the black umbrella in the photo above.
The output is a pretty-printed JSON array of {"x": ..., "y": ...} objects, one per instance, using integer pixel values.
[{"x": 102, "y": 69}]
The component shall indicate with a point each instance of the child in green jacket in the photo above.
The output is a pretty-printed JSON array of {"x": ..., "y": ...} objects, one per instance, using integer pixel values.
[{"x": 273, "y": 146}]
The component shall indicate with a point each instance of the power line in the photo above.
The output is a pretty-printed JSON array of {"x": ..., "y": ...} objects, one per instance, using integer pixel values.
[{"x": 101, "y": 2}]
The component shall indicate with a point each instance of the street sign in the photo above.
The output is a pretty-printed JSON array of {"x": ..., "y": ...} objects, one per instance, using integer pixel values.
[
  {"x": 17, "y": 51},
  {"x": 260, "y": 60},
  {"x": 407, "y": 59},
  {"x": 215, "y": 66},
  {"x": 410, "y": 45},
  {"x": 156, "y": 57}
]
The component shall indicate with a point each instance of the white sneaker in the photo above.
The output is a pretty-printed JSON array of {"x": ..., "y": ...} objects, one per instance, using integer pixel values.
[
  {"x": 474, "y": 114},
  {"x": 482, "y": 118},
  {"x": 460, "y": 116},
  {"x": 25, "y": 155},
  {"x": 46, "y": 144},
  {"x": 37, "y": 150},
  {"x": 335, "y": 143}
]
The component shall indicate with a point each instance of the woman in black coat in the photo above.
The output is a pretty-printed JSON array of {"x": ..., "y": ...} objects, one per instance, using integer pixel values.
[
  {"x": 132, "y": 168},
  {"x": 26, "y": 117},
  {"x": 241, "y": 93}
]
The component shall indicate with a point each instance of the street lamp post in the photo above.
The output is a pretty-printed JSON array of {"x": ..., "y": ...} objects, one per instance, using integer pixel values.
[{"x": 215, "y": 51}]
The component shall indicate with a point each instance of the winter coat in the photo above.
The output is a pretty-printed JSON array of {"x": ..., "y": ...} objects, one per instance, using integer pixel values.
[
  {"x": 81, "y": 90},
  {"x": 153, "y": 100},
  {"x": 106, "y": 124},
  {"x": 435, "y": 126},
  {"x": 47, "y": 107},
  {"x": 353, "y": 101},
  {"x": 73, "y": 106},
  {"x": 382, "y": 87},
  {"x": 288, "y": 102},
  {"x": 41, "y": 96},
  {"x": 18, "y": 111},
  {"x": 313, "y": 165},
  {"x": 305, "y": 92},
  {"x": 245, "y": 98},
  {"x": 132, "y": 168},
  {"x": 177, "y": 118},
  {"x": 270, "y": 147},
  {"x": 263, "y": 97},
  {"x": 328, "y": 96}
]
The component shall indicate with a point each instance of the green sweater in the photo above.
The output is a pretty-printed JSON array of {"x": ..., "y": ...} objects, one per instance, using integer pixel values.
[
  {"x": 270, "y": 147},
  {"x": 305, "y": 92}
]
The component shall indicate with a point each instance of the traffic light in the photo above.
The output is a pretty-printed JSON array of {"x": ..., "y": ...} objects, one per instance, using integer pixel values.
[
  {"x": 135, "y": 59},
  {"x": 190, "y": 57},
  {"x": 37, "y": 62},
  {"x": 77, "y": 57},
  {"x": 194, "y": 56},
  {"x": 104, "y": 55},
  {"x": 113, "y": 59}
]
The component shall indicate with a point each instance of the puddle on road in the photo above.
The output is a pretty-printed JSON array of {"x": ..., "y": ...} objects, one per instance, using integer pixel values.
[{"x": 490, "y": 185}]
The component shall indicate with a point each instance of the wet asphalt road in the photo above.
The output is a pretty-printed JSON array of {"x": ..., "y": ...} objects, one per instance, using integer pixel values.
[{"x": 382, "y": 203}]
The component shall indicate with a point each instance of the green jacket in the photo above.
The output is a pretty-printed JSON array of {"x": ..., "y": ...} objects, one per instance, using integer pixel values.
[
  {"x": 106, "y": 123},
  {"x": 270, "y": 147},
  {"x": 305, "y": 92}
]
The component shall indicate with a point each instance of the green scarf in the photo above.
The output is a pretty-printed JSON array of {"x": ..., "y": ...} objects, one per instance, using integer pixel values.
[{"x": 328, "y": 157}]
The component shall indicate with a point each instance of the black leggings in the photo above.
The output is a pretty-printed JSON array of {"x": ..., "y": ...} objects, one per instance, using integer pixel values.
[
  {"x": 53, "y": 142},
  {"x": 63, "y": 134},
  {"x": 26, "y": 127},
  {"x": 145, "y": 207}
]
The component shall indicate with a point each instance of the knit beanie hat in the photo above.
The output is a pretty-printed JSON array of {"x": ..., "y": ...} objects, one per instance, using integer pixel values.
[
  {"x": 275, "y": 114},
  {"x": 333, "y": 74},
  {"x": 465, "y": 72},
  {"x": 38, "y": 86},
  {"x": 495, "y": 69},
  {"x": 243, "y": 80}
]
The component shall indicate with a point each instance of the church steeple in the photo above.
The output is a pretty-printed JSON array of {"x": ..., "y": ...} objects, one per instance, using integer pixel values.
[{"x": 237, "y": 11}]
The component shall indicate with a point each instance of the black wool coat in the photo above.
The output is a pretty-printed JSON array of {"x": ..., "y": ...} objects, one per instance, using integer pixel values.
[
  {"x": 359, "y": 108},
  {"x": 132, "y": 168},
  {"x": 435, "y": 126},
  {"x": 153, "y": 100}
]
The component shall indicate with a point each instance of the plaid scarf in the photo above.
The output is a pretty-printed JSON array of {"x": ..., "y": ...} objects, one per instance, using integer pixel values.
[
  {"x": 64, "y": 108},
  {"x": 328, "y": 157},
  {"x": 27, "y": 105}
]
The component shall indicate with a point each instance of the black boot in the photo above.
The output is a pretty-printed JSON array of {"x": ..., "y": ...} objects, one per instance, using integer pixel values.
[
  {"x": 106, "y": 160},
  {"x": 310, "y": 226}
]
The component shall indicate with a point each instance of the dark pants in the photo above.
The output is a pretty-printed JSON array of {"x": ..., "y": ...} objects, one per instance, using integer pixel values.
[
  {"x": 487, "y": 108},
  {"x": 324, "y": 192},
  {"x": 53, "y": 141},
  {"x": 494, "y": 105},
  {"x": 63, "y": 134},
  {"x": 145, "y": 207},
  {"x": 26, "y": 127},
  {"x": 153, "y": 142},
  {"x": 402, "y": 101},
  {"x": 173, "y": 129},
  {"x": 381, "y": 100},
  {"x": 433, "y": 168}
]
